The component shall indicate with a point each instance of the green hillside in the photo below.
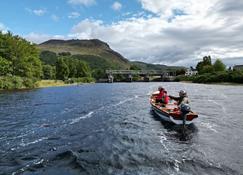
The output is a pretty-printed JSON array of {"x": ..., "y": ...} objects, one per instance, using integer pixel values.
[
  {"x": 147, "y": 66},
  {"x": 96, "y": 53}
]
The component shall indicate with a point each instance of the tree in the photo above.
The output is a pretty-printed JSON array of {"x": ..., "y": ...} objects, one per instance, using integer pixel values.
[
  {"x": 72, "y": 65},
  {"x": 206, "y": 62},
  {"x": 207, "y": 69},
  {"x": 48, "y": 57},
  {"x": 5, "y": 67},
  {"x": 134, "y": 67},
  {"x": 83, "y": 69},
  {"x": 99, "y": 73},
  {"x": 219, "y": 65},
  {"x": 23, "y": 55},
  {"x": 49, "y": 72},
  {"x": 62, "y": 70}
]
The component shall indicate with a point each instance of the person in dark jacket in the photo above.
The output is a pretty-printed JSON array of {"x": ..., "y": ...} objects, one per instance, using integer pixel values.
[{"x": 182, "y": 99}]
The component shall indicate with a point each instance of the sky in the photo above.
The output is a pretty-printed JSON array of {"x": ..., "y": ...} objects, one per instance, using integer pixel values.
[{"x": 171, "y": 32}]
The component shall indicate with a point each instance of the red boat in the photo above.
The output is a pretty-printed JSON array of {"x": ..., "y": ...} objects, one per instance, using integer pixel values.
[{"x": 171, "y": 112}]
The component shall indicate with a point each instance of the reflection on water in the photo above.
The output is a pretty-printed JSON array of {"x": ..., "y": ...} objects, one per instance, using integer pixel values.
[{"x": 109, "y": 129}]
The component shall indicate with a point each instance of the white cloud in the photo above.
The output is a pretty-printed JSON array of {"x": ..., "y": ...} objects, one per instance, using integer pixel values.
[
  {"x": 55, "y": 18},
  {"x": 3, "y": 28},
  {"x": 202, "y": 30},
  {"x": 169, "y": 37},
  {"x": 73, "y": 15},
  {"x": 166, "y": 7},
  {"x": 82, "y": 2},
  {"x": 39, "y": 38},
  {"x": 116, "y": 6},
  {"x": 37, "y": 12}
]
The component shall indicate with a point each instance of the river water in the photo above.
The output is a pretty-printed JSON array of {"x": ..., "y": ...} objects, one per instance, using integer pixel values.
[{"x": 110, "y": 129}]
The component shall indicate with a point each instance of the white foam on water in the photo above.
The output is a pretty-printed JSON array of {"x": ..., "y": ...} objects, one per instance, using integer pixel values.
[
  {"x": 33, "y": 142},
  {"x": 101, "y": 108},
  {"x": 176, "y": 165},
  {"x": 123, "y": 101},
  {"x": 209, "y": 126},
  {"x": 82, "y": 117}
]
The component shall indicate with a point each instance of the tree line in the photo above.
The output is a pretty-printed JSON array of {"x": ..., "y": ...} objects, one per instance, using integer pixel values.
[
  {"x": 216, "y": 72},
  {"x": 63, "y": 66},
  {"x": 21, "y": 66}
]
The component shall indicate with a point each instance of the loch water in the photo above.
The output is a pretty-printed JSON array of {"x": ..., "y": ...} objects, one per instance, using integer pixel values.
[{"x": 110, "y": 129}]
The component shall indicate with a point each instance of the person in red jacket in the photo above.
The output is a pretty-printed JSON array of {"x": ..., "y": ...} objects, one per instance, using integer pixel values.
[
  {"x": 165, "y": 98},
  {"x": 159, "y": 97}
]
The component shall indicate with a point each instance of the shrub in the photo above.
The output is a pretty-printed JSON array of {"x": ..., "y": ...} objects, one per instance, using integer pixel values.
[{"x": 16, "y": 82}]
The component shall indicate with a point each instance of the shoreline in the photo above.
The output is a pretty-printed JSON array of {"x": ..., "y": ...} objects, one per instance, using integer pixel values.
[
  {"x": 59, "y": 83},
  {"x": 52, "y": 83},
  {"x": 215, "y": 83},
  {"x": 46, "y": 84}
]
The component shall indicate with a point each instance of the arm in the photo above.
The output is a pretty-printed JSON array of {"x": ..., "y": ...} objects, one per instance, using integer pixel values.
[{"x": 174, "y": 98}]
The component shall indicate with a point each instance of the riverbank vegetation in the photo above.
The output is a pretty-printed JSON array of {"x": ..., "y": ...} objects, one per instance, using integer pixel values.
[
  {"x": 22, "y": 65},
  {"x": 216, "y": 72}
]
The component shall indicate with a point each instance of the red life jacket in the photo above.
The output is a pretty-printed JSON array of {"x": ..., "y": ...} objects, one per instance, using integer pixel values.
[
  {"x": 166, "y": 99},
  {"x": 160, "y": 95}
]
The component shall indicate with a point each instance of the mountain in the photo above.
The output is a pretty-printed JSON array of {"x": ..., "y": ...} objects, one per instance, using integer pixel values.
[
  {"x": 96, "y": 53},
  {"x": 147, "y": 66}
]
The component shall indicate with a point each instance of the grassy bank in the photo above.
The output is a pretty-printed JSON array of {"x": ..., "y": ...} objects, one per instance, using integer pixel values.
[
  {"x": 15, "y": 82},
  {"x": 50, "y": 83}
]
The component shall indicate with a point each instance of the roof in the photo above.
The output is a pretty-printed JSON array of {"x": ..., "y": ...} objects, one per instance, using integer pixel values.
[{"x": 238, "y": 66}]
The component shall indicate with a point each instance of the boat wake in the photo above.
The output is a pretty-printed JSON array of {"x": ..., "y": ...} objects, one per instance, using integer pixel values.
[
  {"x": 76, "y": 120},
  {"x": 33, "y": 142},
  {"x": 209, "y": 126},
  {"x": 124, "y": 101},
  {"x": 218, "y": 104}
]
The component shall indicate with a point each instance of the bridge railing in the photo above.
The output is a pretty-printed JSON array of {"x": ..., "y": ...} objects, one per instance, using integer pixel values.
[{"x": 138, "y": 72}]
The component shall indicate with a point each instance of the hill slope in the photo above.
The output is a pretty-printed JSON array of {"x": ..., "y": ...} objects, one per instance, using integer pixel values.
[
  {"x": 147, "y": 66},
  {"x": 91, "y": 51},
  {"x": 96, "y": 53}
]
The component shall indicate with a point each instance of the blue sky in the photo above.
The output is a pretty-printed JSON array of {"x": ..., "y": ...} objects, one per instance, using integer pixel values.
[
  {"x": 22, "y": 17},
  {"x": 171, "y": 32}
]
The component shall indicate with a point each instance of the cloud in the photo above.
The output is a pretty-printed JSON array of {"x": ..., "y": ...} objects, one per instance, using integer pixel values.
[
  {"x": 37, "y": 12},
  {"x": 3, "y": 28},
  {"x": 39, "y": 38},
  {"x": 116, "y": 6},
  {"x": 202, "y": 29},
  {"x": 179, "y": 32},
  {"x": 82, "y": 2},
  {"x": 55, "y": 18},
  {"x": 73, "y": 15}
]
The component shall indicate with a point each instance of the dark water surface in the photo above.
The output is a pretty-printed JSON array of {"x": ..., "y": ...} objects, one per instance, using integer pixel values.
[{"x": 109, "y": 129}]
